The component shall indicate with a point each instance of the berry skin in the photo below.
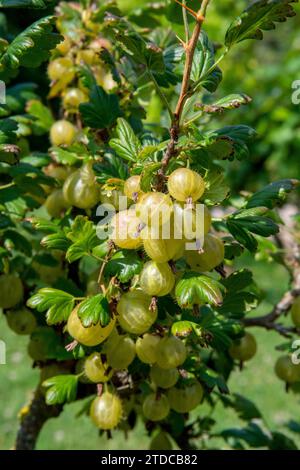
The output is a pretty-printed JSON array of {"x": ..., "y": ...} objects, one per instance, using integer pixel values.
[
  {"x": 91, "y": 336},
  {"x": 244, "y": 349},
  {"x": 73, "y": 97},
  {"x": 155, "y": 407},
  {"x": 154, "y": 209},
  {"x": 121, "y": 355},
  {"x": 106, "y": 411},
  {"x": 134, "y": 314},
  {"x": 80, "y": 188},
  {"x": 132, "y": 188},
  {"x": 171, "y": 352},
  {"x": 125, "y": 226},
  {"x": 212, "y": 256},
  {"x": 112, "y": 197},
  {"x": 295, "y": 311},
  {"x": 185, "y": 184},
  {"x": 59, "y": 67},
  {"x": 22, "y": 321},
  {"x": 191, "y": 224},
  {"x": 146, "y": 348},
  {"x": 184, "y": 400},
  {"x": 157, "y": 279},
  {"x": 11, "y": 290},
  {"x": 164, "y": 378},
  {"x": 96, "y": 370},
  {"x": 162, "y": 250},
  {"x": 286, "y": 370},
  {"x": 56, "y": 203},
  {"x": 161, "y": 442},
  {"x": 62, "y": 133}
]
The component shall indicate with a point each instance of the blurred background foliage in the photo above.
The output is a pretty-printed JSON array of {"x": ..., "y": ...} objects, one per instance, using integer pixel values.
[{"x": 265, "y": 72}]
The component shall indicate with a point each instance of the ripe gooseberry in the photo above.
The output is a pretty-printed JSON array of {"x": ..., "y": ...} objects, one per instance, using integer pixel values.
[
  {"x": 212, "y": 256},
  {"x": 162, "y": 250},
  {"x": 135, "y": 315},
  {"x": 132, "y": 188},
  {"x": 146, "y": 348},
  {"x": 184, "y": 400},
  {"x": 157, "y": 279},
  {"x": 73, "y": 97},
  {"x": 90, "y": 336},
  {"x": 185, "y": 184},
  {"x": 171, "y": 352},
  {"x": 22, "y": 321},
  {"x": 295, "y": 311},
  {"x": 286, "y": 370},
  {"x": 56, "y": 203},
  {"x": 243, "y": 349},
  {"x": 106, "y": 411},
  {"x": 154, "y": 209},
  {"x": 125, "y": 230},
  {"x": 121, "y": 355},
  {"x": 62, "y": 133},
  {"x": 156, "y": 407},
  {"x": 11, "y": 290},
  {"x": 97, "y": 370},
  {"x": 164, "y": 378},
  {"x": 80, "y": 188},
  {"x": 59, "y": 68},
  {"x": 191, "y": 223}
]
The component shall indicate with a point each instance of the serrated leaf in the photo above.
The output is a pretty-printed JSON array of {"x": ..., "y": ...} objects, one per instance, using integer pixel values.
[
  {"x": 238, "y": 280},
  {"x": 56, "y": 241},
  {"x": 239, "y": 136},
  {"x": 228, "y": 102},
  {"x": 24, "y": 3},
  {"x": 197, "y": 289},
  {"x": 126, "y": 145},
  {"x": 204, "y": 59},
  {"x": 216, "y": 188},
  {"x": 258, "y": 17},
  {"x": 83, "y": 237},
  {"x": 43, "y": 118},
  {"x": 102, "y": 110},
  {"x": 124, "y": 264},
  {"x": 241, "y": 235},
  {"x": 112, "y": 167},
  {"x": 94, "y": 310},
  {"x": 30, "y": 48},
  {"x": 274, "y": 193},
  {"x": 57, "y": 303},
  {"x": 263, "y": 226},
  {"x": 212, "y": 379},
  {"x": 61, "y": 389},
  {"x": 148, "y": 175}
]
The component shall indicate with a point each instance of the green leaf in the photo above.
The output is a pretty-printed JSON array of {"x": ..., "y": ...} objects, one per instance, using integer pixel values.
[
  {"x": 30, "y": 48},
  {"x": 83, "y": 236},
  {"x": 204, "y": 59},
  {"x": 8, "y": 129},
  {"x": 258, "y": 17},
  {"x": 94, "y": 310},
  {"x": 244, "y": 407},
  {"x": 238, "y": 280},
  {"x": 253, "y": 435},
  {"x": 61, "y": 389},
  {"x": 127, "y": 145},
  {"x": 212, "y": 379},
  {"x": 56, "y": 241},
  {"x": 24, "y": 3},
  {"x": 263, "y": 226},
  {"x": 274, "y": 193},
  {"x": 63, "y": 156},
  {"x": 281, "y": 442},
  {"x": 228, "y": 102},
  {"x": 102, "y": 110},
  {"x": 148, "y": 175},
  {"x": 112, "y": 167},
  {"x": 49, "y": 344},
  {"x": 216, "y": 188},
  {"x": 239, "y": 136},
  {"x": 43, "y": 118},
  {"x": 19, "y": 241},
  {"x": 197, "y": 289},
  {"x": 241, "y": 235},
  {"x": 124, "y": 264},
  {"x": 57, "y": 303}
]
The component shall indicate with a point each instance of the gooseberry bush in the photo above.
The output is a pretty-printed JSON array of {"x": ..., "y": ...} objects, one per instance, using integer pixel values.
[{"x": 118, "y": 142}]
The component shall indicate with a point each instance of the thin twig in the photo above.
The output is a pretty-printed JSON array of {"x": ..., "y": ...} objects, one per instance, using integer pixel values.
[{"x": 185, "y": 21}]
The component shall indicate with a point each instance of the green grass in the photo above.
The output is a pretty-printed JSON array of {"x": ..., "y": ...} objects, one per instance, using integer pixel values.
[{"x": 257, "y": 382}]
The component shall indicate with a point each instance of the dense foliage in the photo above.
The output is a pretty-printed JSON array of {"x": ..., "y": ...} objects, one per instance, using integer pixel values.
[{"x": 131, "y": 103}]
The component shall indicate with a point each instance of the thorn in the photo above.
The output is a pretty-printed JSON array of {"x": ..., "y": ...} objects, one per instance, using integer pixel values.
[
  {"x": 181, "y": 42},
  {"x": 71, "y": 346},
  {"x": 99, "y": 390},
  {"x": 192, "y": 12},
  {"x": 153, "y": 304}
]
